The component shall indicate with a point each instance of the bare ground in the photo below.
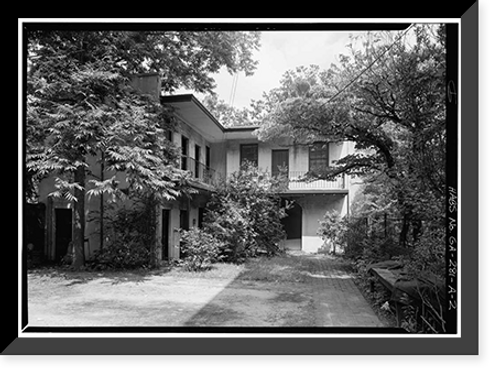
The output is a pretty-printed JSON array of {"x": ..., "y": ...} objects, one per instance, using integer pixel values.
[{"x": 291, "y": 290}]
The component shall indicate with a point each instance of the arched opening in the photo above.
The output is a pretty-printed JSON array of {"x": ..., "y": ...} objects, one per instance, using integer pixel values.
[{"x": 292, "y": 225}]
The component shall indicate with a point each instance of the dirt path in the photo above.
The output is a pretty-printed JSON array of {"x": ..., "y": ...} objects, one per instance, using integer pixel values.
[{"x": 293, "y": 290}]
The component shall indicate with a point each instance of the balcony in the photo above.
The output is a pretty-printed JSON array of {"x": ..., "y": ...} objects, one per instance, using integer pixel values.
[
  {"x": 199, "y": 172},
  {"x": 298, "y": 181}
]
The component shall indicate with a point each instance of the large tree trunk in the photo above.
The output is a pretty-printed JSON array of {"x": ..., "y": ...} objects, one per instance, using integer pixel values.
[{"x": 79, "y": 221}]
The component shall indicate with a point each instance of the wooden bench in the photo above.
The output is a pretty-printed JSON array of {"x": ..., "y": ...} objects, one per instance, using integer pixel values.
[
  {"x": 403, "y": 290},
  {"x": 385, "y": 276}
]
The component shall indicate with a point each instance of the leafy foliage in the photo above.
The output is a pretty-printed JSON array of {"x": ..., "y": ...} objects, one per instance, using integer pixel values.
[
  {"x": 388, "y": 98},
  {"x": 244, "y": 214},
  {"x": 393, "y": 112},
  {"x": 199, "y": 249},
  {"x": 81, "y": 108},
  {"x": 231, "y": 116},
  {"x": 129, "y": 234},
  {"x": 331, "y": 228}
]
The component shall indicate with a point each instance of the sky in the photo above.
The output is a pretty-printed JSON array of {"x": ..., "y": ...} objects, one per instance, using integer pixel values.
[{"x": 279, "y": 52}]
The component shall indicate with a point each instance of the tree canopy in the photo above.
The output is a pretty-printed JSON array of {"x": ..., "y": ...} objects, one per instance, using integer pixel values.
[
  {"x": 80, "y": 105},
  {"x": 388, "y": 98}
]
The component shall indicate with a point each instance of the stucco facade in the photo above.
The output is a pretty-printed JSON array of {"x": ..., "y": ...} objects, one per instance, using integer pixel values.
[
  {"x": 314, "y": 198},
  {"x": 212, "y": 152}
]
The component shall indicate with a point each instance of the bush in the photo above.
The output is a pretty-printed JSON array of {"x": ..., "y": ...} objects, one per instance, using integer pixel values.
[
  {"x": 428, "y": 255},
  {"x": 199, "y": 249},
  {"x": 130, "y": 232},
  {"x": 331, "y": 228},
  {"x": 122, "y": 254},
  {"x": 244, "y": 214}
]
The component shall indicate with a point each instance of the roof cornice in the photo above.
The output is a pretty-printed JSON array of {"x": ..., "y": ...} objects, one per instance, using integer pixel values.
[{"x": 178, "y": 98}]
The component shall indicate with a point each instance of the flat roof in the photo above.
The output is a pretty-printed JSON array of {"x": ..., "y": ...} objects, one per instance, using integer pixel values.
[{"x": 190, "y": 98}]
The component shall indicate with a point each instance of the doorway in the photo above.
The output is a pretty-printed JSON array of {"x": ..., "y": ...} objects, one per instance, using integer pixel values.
[
  {"x": 197, "y": 158},
  {"x": 184, "y": 225},
  {"x": 201, "y": 215},
  {"x": 184, "y": 153},
  {"x": 165, "y": 228},
  {"x": 292, "y": 225},
  {"x": 63, "y": 231}
]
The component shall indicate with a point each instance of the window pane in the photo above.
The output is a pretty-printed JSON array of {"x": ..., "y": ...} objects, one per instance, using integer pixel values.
[
  {"x": 249, "y": 152},
  {"x": 318, "y": 156}
]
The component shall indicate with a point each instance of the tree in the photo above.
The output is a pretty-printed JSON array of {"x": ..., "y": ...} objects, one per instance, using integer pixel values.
[
  {"x": 389, "y": 99},
  {"x": 80, "y": 105},
  {"x": 231, "y": 116}
]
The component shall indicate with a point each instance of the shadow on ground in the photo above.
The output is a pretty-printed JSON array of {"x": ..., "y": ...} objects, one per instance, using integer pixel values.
[{"x": 289, "y": 291}]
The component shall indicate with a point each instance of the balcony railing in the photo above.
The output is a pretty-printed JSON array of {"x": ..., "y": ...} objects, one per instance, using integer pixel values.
[
  {"x": 298, "y": 180},
  {"x": 199, "y": 171},
  {"x": 294, "y": 180}
]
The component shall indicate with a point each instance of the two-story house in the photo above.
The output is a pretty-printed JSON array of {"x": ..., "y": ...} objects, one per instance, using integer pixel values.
[
  {"x": 220, "y": 151},
  {"x": 209, "y": 151}
]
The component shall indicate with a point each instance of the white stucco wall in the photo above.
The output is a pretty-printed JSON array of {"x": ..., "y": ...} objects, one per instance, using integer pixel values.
[
  {"x": 298, "y": 155},
  {"x": 314, "y": 208}
]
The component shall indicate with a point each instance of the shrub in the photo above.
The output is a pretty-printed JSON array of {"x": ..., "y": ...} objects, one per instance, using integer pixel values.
[
  {"x": 121, "y": 254},
  {"x": 244, "y": 214},
  {"x": 331, "y": 228},
  {"x": 428, "y": 255},
  {"x": 199, "y": 249},
  {"x": 129, "y": 241}
]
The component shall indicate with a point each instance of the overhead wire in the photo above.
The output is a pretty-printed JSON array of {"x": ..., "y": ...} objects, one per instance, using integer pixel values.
[
  {"x": 232, "y": 95},
  {"x": 367, "y": 67}
]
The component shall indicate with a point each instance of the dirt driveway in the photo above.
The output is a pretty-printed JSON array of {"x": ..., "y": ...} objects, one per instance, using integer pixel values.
[{"x": 292, "y": 290}]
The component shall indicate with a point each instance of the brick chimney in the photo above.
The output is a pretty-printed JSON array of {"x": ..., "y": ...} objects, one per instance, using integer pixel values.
[{"x": 148, "y": 83}]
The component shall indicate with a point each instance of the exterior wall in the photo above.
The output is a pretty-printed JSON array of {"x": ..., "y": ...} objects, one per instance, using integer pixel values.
[
  {"x": 218, "y": 158},
  {"x": 92, "y": 204},
  {"x": 224, "y": 159},
  {"x": 194, "y": 139},
  {"x": 314, "y": 205},
  {"x": 92, "y": 208},
  {"x": 298, "y": 161},
  {"x": 314, "y": 208},
  {"x": 173, "y": 233}
]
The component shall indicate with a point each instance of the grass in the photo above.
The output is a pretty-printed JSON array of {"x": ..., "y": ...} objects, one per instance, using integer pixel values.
[
  {"x": 279, "y": 269},
  {"x": 216, "y": 271},
  {"x": 282, "y": 268}
]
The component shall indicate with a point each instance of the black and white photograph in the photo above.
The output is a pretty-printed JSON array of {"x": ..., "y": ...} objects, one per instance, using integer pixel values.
[{"x": 211, "y": 178}]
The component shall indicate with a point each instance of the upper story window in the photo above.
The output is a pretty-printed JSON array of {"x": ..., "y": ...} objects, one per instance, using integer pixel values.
[
  {"x": 250, "y": 153},
  {"x": 184, "y": 152},
  {"x": 318, "y": 156},
  {"x": 207, "y": 156}
]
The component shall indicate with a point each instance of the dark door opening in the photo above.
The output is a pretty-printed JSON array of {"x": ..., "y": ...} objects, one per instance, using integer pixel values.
[
  {"x": 64, "y": 231},
  {"x": 292, "y": 223},
  {"x": 165, "y": 226},
  {"x": 184, "y": 219},
  {"x": 197, "y": 157},
  {"x": 207, "y": 157},
  {"x": 34, "y": 232},
  {"x": 201, "y": 214},
  {"x": 184, "y": 152}
]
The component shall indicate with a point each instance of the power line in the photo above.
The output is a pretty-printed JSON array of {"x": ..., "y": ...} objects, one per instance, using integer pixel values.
[
  {"x": 367, "y": 67},
  {"x": 232, "y": 95}
]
